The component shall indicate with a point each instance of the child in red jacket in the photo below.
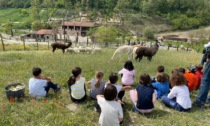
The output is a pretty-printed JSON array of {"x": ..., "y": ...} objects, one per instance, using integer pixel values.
[
  {"x": 199, "y": 74},
  {"x": 192, "y": 79}
]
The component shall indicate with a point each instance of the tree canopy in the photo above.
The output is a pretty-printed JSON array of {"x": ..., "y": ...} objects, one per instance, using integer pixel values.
[
  {"x": 105, "y": 34},
  {"x": 182, "y": 14}
]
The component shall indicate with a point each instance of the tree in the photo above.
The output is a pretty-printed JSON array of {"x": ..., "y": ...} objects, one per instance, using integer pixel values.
[
  {"x": 191, "y": 36},
  {"x": 3, "y": 3},
  {"x": 147, "y": 7},
  {"x": 122, "y": 32},
  {"x": 35, "y": 9},
  {"x": 8, "y": 28},
  {"x": 201, "y": 35},
  {"x": 49, "y": 4},
  {"x": 36, "y": 25},
  {"x": 106, "y": 34},
  {"x": 122, "y": 6},
  {"x": 23, "y": 12}
]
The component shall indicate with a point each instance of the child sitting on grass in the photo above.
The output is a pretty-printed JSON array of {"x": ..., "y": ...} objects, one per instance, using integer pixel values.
[
  {"x": 144, "y": 96},
  {"x": 199, "y": 74},
  {"x": 112, "y": 113},
  {"x": 76, "y": 85},
  {"x": 127, "y": 74},
  {"x": 192, "y": 79},
  {"x": 113, "y": 78},
  {"x": 40, "y": 85},
  {"x": 97, "y": 85},
  {"x": 160, "y": 69},
  {"x": 179, "y": 96},
  {"x": 161, "y": 86}
]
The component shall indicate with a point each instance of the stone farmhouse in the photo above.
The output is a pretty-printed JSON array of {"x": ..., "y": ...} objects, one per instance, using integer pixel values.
[
  {"x": 77, "y": 28},
  {"x": 71, "y": 30}
]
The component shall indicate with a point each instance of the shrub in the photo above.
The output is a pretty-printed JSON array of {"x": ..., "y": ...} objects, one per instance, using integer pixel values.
[
  {"x": 24, "y": 12},
  {"x": 137, "y": 21},
  {"x": 148, "y": 33},
  {"x": 183, "y": 22},
  {"x": 36, "y": 25}
]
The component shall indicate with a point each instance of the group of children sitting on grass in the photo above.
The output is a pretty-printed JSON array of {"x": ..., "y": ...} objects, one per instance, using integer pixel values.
[{"x": 174, "y": 91}]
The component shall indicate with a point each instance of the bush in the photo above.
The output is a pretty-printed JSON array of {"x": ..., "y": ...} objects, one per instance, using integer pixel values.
[
  {"x": 136, "y": 21},
  {"x": 24, "y": 12},
  {"x": 148, "y": 33},
  {"x": 183, "y": 22},
  {"x": 25, "y": 25},
  {"x": 36, "y": 25}
]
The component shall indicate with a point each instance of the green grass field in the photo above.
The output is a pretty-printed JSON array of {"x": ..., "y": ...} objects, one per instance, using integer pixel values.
[
  {"x": 16, "y": 66},
  {"x": 13, "y": 14}
]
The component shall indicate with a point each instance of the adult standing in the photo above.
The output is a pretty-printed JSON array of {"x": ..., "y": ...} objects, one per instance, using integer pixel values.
[
  {"x": 205, "y": 85},
  {"x": 205, "y": 51}
]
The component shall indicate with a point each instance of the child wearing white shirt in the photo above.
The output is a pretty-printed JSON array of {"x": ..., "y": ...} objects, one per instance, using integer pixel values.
[
  {"x": 40, "y": 85},
  {"x": 112, "y": 113},
  {"x": 179, "y": 96}
]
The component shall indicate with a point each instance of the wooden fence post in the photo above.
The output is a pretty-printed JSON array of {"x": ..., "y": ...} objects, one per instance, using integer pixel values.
[
  {"x": 24, "y": 46},
  {"x": 37, "y": 45},
  {"x": 168, "y": 46},
  {"x": 87, "y": 41},
  {"x": 2, "y": 42},
  {"x": 48, "y": 44},
  {"x": 177, "y": 47}
]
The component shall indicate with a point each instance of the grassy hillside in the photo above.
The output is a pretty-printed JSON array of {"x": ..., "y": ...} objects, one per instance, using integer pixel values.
[
  {"x": 138, "y": 22},
  {"x": 13, "y": 14},
  {"x": 135, "y": 22},
  {"x": 16, "y": 67}
]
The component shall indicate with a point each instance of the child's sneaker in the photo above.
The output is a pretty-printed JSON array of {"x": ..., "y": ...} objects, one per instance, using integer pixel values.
[
  {"x": 57, "y": 89},
  {"x": 198, "y": 104},
  {"x": 135, "y": 110},
  {"x": 95, "y": 109},
  {"x": 123, "y": 106}
]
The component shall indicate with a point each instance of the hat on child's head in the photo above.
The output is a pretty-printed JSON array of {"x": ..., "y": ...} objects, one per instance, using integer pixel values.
[{"x": 192, "y": 68}]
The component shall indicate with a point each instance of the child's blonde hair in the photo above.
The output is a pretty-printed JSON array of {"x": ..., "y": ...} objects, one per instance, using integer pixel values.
[{"x": 99, "y": 76}]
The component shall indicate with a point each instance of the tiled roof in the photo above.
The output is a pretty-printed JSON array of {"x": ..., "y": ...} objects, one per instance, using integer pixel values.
[
  {"x": 84, "y": 24},
  {"x": 44, "y": 32}
]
